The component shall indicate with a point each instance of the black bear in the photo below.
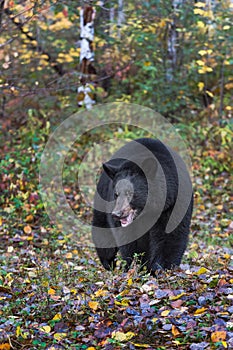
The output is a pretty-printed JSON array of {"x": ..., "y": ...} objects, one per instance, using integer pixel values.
[{"x": 143, "y": 204}]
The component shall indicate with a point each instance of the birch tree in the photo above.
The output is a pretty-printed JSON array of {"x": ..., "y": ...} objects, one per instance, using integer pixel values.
[{"x": 86, "y": 90}]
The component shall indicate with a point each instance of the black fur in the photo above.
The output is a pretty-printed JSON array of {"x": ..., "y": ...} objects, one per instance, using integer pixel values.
[{"x": 158, "y": 248}]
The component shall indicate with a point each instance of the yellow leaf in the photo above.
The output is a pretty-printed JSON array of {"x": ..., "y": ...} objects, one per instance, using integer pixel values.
[
  {"x": 218, "y": 336},
  {"x": 200, "y": 4},
  {"x": 18, "y": 331},
  {"x": 201, "y": 271},
  {"x": 226, "y": 27},
  {"x": 59, "y": 336},
  {"x": 200, "y": 63},
  {"x": 101, "y": 293},
  {"x": 51, "y": 291},
  {"x": 200, "y": 311},
  {"x": 46, "y": 329},
  {"x": 120, "y": 336},
  {"x": 27, "y": 229},
  {"x": 141, "y": 345},
  {"x": 200, "y": 24},
  {"x": 165, "y": 313},
  {"x": 176, "y": 342},
  {"x": 209, "y": 93},
  {"x": 199, "y": 12},
  {"x": 200, "y": 86},
  {"x": 123, "y": 302},
  {"x": 91, "y": 348},
  {"x": 175, "y": 297},
  {"x": 93, "y": 305},
  {"x": 69, "y": 256},
  {"x": 130, "y": 282},
  {"x": 202, "y": 52},
  {"x": 147, "y": 64},
  {"x": 57, "y": 317},
  {"x": 209, "y": 69},
  {"x": 224, "y": 343},
  {"x": 124, "y": 292},
  {"x": 227, "y": 256}
]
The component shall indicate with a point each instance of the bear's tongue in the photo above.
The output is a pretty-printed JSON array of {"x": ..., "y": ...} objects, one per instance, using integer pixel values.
[{"x": 127, "y": 220}]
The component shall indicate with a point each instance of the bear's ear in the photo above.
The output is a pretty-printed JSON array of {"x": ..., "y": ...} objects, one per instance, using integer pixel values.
[
  {"x": 110, "y": 169},
  {"x": 149, "y": 167}
]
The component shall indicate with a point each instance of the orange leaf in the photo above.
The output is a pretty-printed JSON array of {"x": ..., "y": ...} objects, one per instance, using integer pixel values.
[
  {"x": 175, "y": 331},
  {"x": 27, "y": 229},
  {"x": 218, "y": 336},
  {"x": 5, "y": 346},
  {"x": 29, "y": 218},
  {"x": 93, "y": 305}
]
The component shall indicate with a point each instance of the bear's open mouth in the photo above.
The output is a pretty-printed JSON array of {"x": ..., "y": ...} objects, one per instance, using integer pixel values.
[{"x": 128, "y": 219}]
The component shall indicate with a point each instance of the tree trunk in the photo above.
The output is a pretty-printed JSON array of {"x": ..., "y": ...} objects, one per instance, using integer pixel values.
[{"x": 86, "y": 90}]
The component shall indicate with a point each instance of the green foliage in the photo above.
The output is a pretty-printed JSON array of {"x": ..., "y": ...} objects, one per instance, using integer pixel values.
[{"x": 133, "y": 62}]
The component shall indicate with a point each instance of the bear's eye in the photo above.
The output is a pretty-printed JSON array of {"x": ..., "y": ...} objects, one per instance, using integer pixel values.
[{"x": 116, "y": 195}]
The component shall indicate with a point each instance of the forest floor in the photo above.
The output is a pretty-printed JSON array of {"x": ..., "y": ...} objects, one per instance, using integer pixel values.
[{"x": 54, "y": 294}]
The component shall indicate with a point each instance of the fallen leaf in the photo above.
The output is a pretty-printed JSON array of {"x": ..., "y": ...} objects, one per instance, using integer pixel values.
[
  {"x": 101, "y": 293},
  {"x": 201, "y": 271},
  {"x": 59, "y": 336},
  {"x": 93, "y": 305},
  {"x": 200, "y": 311},
  {"x": 177, "y": 303},
  {"x": 29, "y": 218},
  {"x": 57, "y": 317},
  {"x": 218, "y": 336},
  {"x": 141, "y": 345},
  {"x": 175, "y": 297},
  {"x": 123, "y": 302},
  {"x": 5, "y": 346},
  {"x": 120, "y": 336},
  {"x": 46, "y": 329},
  {"x": 165, "y": 313},
  {"x": 175, "y": 331},
  {"x": 130, "y": 282},
  {"x": 51, "y": 291},
  {"x": 27, "y": 229}
]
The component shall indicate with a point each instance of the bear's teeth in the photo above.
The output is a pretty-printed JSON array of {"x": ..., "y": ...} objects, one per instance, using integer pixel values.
[{"x": 127, "y": 220}]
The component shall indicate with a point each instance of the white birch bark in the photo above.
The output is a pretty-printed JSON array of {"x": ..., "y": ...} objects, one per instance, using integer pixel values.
[{"x": 87, "y": 54}]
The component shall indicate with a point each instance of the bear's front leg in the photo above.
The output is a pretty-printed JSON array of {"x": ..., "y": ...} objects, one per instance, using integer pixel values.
[{"x": 107, "y": 257}]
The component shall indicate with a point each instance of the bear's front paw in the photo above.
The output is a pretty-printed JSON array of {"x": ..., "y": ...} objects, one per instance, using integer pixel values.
[{"x": 108, "y": 264}]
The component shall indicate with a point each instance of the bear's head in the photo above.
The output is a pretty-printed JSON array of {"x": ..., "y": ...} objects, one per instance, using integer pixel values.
[{"x": 129, "y": 188}]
